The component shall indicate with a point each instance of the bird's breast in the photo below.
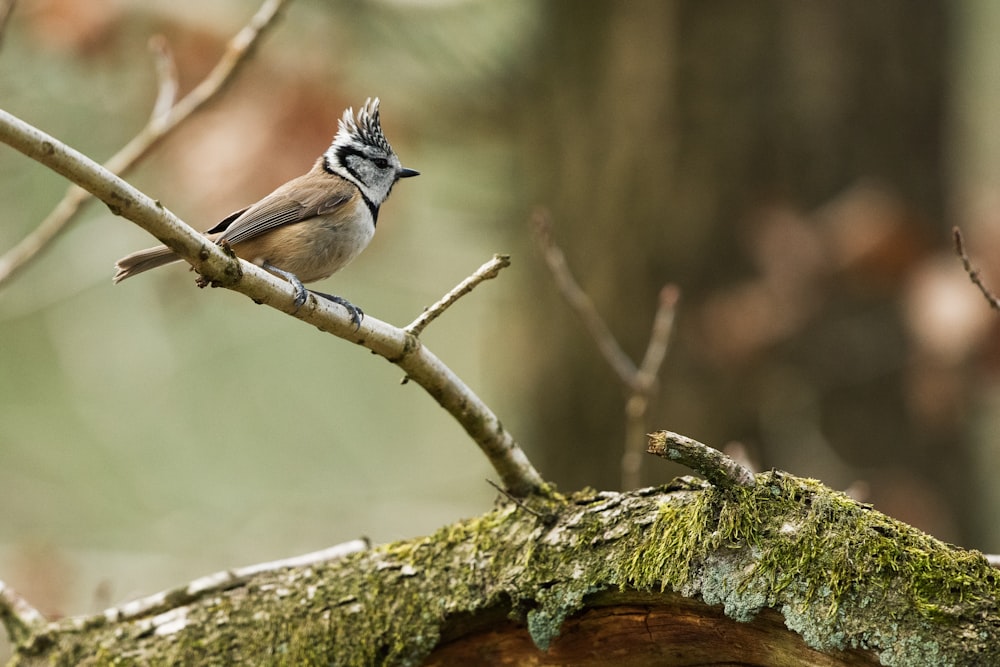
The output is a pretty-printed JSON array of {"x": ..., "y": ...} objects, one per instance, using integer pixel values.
[{"x": 312, "y": 249}]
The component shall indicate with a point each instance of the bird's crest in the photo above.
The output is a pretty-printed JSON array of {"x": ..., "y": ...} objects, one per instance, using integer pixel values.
[{"x": 365, "y": 129}]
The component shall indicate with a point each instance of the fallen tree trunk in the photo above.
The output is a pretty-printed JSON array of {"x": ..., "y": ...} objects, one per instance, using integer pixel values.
[{"x": 786, "y": 572}]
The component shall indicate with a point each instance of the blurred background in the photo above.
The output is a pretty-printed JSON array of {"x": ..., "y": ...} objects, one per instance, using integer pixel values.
[{"x": 794, "y": 168}]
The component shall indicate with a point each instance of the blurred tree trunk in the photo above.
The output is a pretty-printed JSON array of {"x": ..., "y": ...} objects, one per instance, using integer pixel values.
[{"x": 662, "y": 135}]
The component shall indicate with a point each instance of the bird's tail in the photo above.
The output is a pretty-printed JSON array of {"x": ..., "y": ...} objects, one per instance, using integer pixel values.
[{"x": 143, "y": 260}]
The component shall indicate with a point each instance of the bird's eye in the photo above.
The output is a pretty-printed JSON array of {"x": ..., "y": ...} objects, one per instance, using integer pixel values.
[{"x": 381, "y": 162}]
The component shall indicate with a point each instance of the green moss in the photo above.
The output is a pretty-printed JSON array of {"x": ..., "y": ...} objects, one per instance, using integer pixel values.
[{"x": 669, "y": 547}]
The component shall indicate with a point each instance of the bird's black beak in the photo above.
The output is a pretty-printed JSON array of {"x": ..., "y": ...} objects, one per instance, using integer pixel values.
[{"x": 406, "y": 173}]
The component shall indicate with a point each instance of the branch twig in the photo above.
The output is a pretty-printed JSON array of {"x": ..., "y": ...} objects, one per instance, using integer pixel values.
[
  {"x": 224, "y": 580},
  {"x": 713, "y": 465},
  {"x": 644, "y": 387},
  {"x": 641, "y": 381},
  {"x": 490, "y": 269},
  {"x": 973, "y": 273},
  {"x": 166, "y": 76},
  {"x": 398, "y": 346},
  {"x": 580, "y": 302},
  {"x": 160, "y": 125}
]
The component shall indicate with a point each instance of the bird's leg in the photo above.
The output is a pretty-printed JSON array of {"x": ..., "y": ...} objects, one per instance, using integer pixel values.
[
  {"x": 356, "y": 313},
  {"x": 300, "y": 289},
  {"x": 300, "y": 294}
]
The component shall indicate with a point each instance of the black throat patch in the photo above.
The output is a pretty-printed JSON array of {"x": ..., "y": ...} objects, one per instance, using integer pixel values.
[{"x": 341, "y": 155}]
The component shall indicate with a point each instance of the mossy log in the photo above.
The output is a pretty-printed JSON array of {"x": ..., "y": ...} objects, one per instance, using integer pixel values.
[{"x": 787, "y": 572}]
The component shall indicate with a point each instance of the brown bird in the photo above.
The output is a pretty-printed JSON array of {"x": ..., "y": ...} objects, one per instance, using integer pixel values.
[{"x": 314, "y": 225}]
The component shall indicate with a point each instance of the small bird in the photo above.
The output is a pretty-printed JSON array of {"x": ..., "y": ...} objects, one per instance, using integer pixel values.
[{"x": 313, "y": 225}]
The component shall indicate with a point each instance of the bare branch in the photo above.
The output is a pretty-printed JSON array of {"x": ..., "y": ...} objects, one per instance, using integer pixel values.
[
  {"x": 659, "y": 337},
  {"x": 18, "y": 617},
  {"x": 398, "y": 346},
  {"x": 973, "y": 273},
  {"x": 490, "y": 269},
  {"x": 716, "y": 467},
  {"x": 580, "y": 302},
  {"x": 164, "y": 601},
  {"x": 166, "y": 76},
  {"x": 160, "y": 125},
  {"x": 640, "y": 381},
  {"x": 644, "y": 387}
]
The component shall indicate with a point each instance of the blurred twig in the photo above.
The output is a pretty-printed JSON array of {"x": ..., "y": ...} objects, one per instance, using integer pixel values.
[
  {"x": 163, "y": 121},
  {"x": 6, "y": 9},
  {"x": 973, "y": 273},
  {"x": 644, "y": 387},
  {"x": 580, "y": 302},
  {"x": 166, "y": 76},
  {"x": 487, "y": 271},
  {"x": 640, "y": 381}
]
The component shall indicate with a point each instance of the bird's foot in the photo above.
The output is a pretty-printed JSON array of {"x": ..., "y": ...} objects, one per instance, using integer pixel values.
[
  {"x": 301, "y": 293},
  {"x": 356, "y": 313}
]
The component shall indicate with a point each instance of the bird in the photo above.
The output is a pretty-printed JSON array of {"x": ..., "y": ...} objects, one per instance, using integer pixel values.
[{"x": 315, "y": 224}]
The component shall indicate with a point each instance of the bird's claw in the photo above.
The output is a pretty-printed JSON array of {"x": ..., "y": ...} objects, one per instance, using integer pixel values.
[
  {"x": 356, "y": 313},
  {"x": 301, "y": 294}
]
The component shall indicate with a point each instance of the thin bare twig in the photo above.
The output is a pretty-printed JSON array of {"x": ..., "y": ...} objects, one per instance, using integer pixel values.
[
  {"x": 641, "y": 381},
  {"x": 160, "y": 125},
  {"x": 166, "y": 76},
  {"x": 644, "y": 387},
  {"x": 159, "y": 603},
  {"x": 490, "y": 269},
  {"x": 517, "y": 501},
  {"x": 713, "y": 465},
  {"x": 578, "y": 300},
  {"x": 973, "y": 273}
]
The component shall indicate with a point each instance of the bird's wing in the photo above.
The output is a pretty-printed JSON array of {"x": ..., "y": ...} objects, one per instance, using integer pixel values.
[
  {"x": 293, "y": 202},
  {"x": 223, "y": 224}
]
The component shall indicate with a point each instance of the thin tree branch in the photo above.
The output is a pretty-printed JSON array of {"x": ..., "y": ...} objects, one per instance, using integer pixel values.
[
  {"x": 973, "y": 273},
  {"x": 159, "y": 126},
  {"x": 641, "y": 381},
  {"x": 166, "y": 76},
  {"x": 659, "y": 337},
  {"x": 490, "y": 269},
  {"x": 644, "y": 387},
  {"x": 578, "y": 300},
  {"x": 164, "y": 601},
  {"x": 713, "y": 465},
  {"x": 401, "y": 348}
]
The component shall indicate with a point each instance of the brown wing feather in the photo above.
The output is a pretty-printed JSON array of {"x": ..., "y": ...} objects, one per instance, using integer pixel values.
[
  {"x": 300, "y": 199},
  {"x": 223, "y": 225}
]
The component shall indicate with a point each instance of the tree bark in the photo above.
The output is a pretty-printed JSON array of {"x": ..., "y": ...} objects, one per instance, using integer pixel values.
[{"x": 785, "y": 573}]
